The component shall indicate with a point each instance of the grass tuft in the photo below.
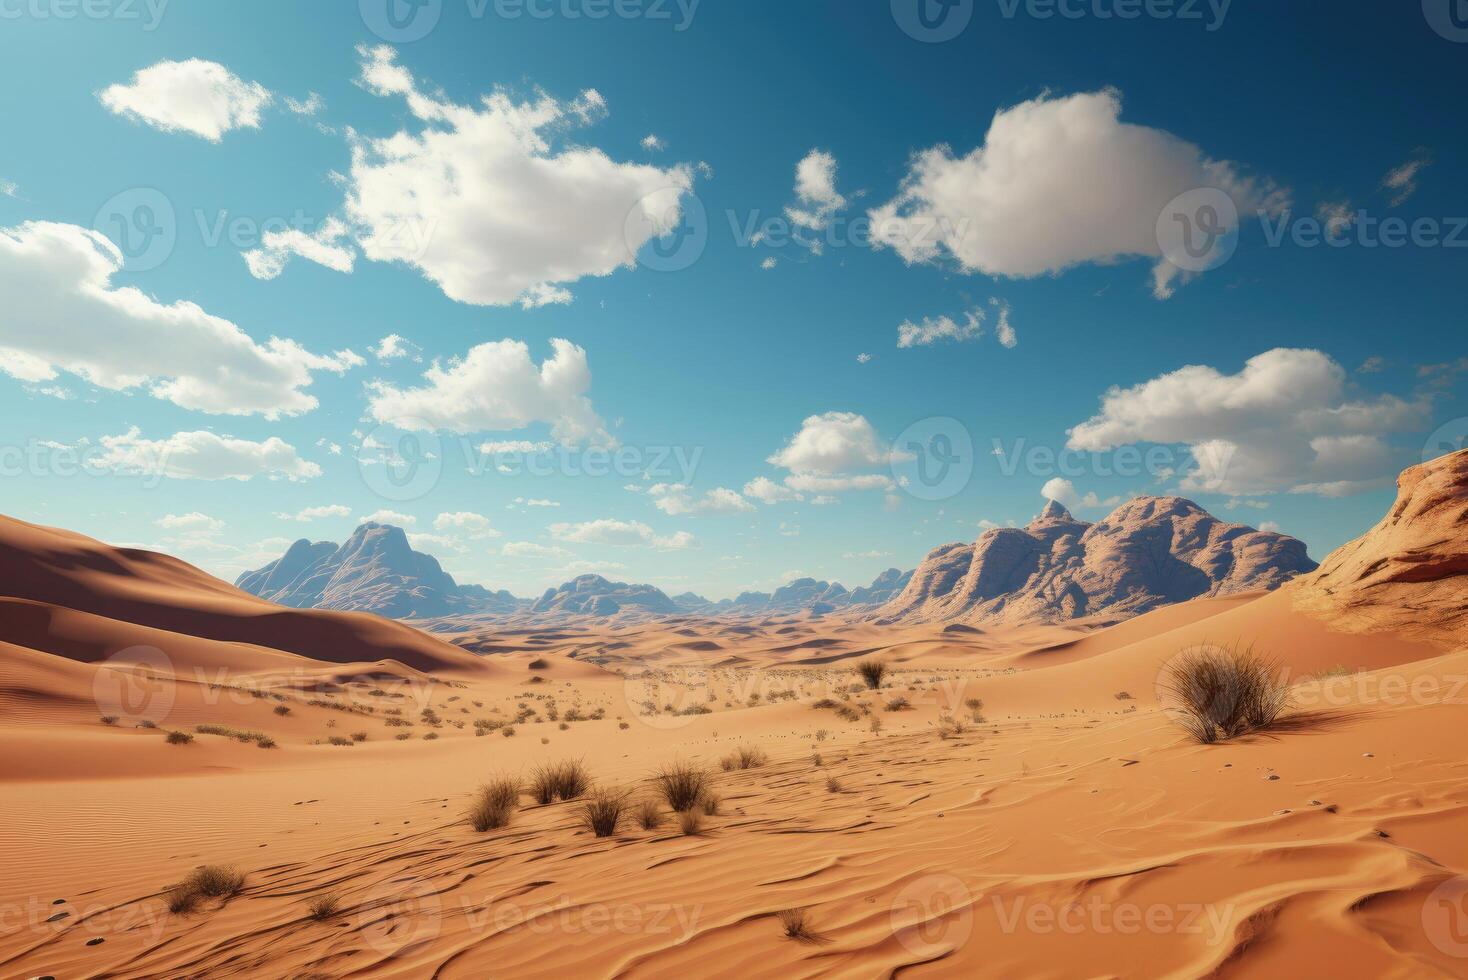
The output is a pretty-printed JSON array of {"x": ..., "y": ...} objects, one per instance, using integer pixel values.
[
  {"x": 682, "y": 785},
  {"x": 1219, "y": 693}
]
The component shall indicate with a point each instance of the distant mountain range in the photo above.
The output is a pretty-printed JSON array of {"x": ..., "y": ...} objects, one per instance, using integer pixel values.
[
  {"x": 1149, "y": 552},
  {"x": 376, "y": 571}
]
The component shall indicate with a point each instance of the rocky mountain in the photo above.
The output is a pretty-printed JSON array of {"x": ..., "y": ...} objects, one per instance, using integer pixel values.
[
  {"x": 592, "y": 595},
  {"x": 376, "y": 571},
  {"x": 802, "y": 595},
  {"x": 1149, "y": 552},
  {"x": 1409, "y": 573}
]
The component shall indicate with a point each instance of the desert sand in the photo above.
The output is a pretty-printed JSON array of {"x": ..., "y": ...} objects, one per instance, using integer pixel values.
[{"x": 1065, "y": 827}]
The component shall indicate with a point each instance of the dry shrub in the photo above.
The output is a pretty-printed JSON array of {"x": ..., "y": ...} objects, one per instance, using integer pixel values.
[
  {"x": 690, "y": 822},
  {"x": 648, "y": 816},
  {"x": 603, "y": 811},
  {"x": 109, "y": 719},
  {"x": 178, "y": 738},
  {"x": 796, "y": 925},
  {"x": 833, "y": 785},
  {"x": 324, "y": 906},
  {"x": 282, "y": 710},
  {"x": 1223, "y": 692},
  {"x": 494, "y": 804},
  {"x": 745, "y": 757},
  {"x": 210, "y": 881},
  {"x": 872, "y": 672},
  {"x": 710, "y": 804},
  {"x": 682, "y": 785},
  {"x": 898, "y": 703},
  {"x": 559, "y": 781}
]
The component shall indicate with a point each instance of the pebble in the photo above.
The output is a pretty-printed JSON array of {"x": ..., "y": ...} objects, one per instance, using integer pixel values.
[
  {"x": 1368, "y": 755},
  {"x": 96, "y": 942},
  {"x": 1272, "y": 776}
]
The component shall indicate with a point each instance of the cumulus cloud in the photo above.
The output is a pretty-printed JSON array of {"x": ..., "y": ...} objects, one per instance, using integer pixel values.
[
  {"x": 467, "y": 523},
  {"x": 767, "y": 491},
  {"x": 1057, "y": 182},
  {"x": 194, "y": 96},
  {"x": 827, "y": 456},
  {"x": 394, "y": 517},
  {"x": 1285, "y": 422},
  {"x": 675, "y": 499},
  {"x": 653, "y": 143},
  {"x": 529, "y": 549},
  {"x": 1064, "y": 492},
  {"x": 309, "y": 106},
  {"x": 60, "y": 312},
  {"x": 622, "y": 534},
  {"x": 497, "y": 387},
  {"x": 192, "y": 522},
  {"x": 833, "y": 442},
  {"x": 483, "y": 202},
  {"x": 816, "y": 197},
  {"x": 326, "y": 246},
  {"x": 318, "y": 513},
  {"x": 202, "y": 456},
  {"x": 392, "y": 347}
]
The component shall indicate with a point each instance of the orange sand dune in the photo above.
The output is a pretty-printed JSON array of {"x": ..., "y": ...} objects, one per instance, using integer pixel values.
[{"x": 1067, "y": 827}]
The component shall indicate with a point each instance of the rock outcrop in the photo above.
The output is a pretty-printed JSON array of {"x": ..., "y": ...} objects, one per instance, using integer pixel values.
[
  {"x": 592, "y": 595},
  {"x": 375, "y": 571},
  {"x": 1409, "y": 573},
  {"x": 1149, "y": 552}
]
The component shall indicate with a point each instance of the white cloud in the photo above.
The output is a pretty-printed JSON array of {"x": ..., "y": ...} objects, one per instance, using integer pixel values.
[
  {"x": 440, "y": 542},
  {"x": 318, "y": 513},
  {"x": 652, "y": 143},
  {"x": 833, "y": 442},
  {"x": 529, "y": 549},
  {"x": 515, "y": 447},
  {"x": 1003, "y": 329},
  {"x": 817, "y": 199},
  {"x": 466, "y": 522},
  {"x": 1057, "y": 182},
  {"x": 484, "y": 205},
  {"x": 195, "y": 96},
  {"x": 1272, "y": 526},
  {"x": 1335, "y": 216},
  {"x": 388, "y": 517},
  {"x": 863, "y": 358},
  {"x": 192, "y": 522},
  {"x": 324, "y": 247},
  {"x": 852, "y": 556},
  {"x": 1064, "y": 492},
  {"x": 624, "y": 534},
  {"x": 202, "y": 456},
  {"x": 60, "y": 312},
  {"x": 393, "y": 347},
  {"x": 497, "y": 387},
  {"x": 676, "y": 499},
  {"x": 8, "y": 188},
  {"x": 536, "y": 502},
  {"x": 767, "y": 491},
  {"x": 769, "y": 263},
  {"x": 1402, "y": 181},
  {"x": 930, "y": 330},
  {"x": 309, "y": 106},
  {"x": 1284, "y": 423}
]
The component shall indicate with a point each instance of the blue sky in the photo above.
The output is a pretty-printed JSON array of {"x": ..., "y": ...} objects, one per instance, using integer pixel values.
[{"x": 1024, "y": 262}]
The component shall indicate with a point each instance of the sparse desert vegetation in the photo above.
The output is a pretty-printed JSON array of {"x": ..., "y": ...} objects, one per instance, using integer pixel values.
[
  {"x": 1219, "y": 693},
  {"x": 872, "y": 672}
]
